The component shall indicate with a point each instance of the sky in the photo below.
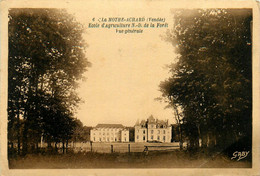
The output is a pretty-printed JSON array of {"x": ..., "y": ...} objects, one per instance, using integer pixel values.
[{"x": 126, "y": 70}]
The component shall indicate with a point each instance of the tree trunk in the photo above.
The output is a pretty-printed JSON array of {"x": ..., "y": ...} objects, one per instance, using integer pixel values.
[
  {"x": 179, "y": 125},
  {"x": 18, "y": 133},
  {"x": 11, "y": 117},
  {"x": 27, "y": 118},
  {"x": 67, "y": 145},
  {"x": 56, "y": 148},
  {"x": 180, "y": 138},
  {"x": 204, "y": 140},
  {"x": 37, "y": 146},
  {"x": 211, "y": 140},
  {"x": 63, "y": 147},
  {"x": 25, "y": 138},
  {"x": 198, "y": 136},
  {"x": 194, "y": 138},
  {"x": 49, "y": 144}
]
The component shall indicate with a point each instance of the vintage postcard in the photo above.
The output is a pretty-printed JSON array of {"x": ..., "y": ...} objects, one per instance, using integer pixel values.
[{"x": 129, "y": 87}]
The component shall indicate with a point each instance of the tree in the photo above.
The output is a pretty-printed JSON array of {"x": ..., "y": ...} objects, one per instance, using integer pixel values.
[
  {"x": 46, "y": 60},
  {"x": 212, "y": 80},
  {"x": 81, "y": 133}
]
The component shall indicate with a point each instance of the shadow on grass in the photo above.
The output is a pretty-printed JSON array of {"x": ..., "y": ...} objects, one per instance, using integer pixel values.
[{"x": 154, "y": 159}]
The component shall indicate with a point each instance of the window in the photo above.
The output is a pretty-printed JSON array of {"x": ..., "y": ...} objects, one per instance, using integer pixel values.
[
  {"x": 164, "y": 138},
  {"x": 144, "y": 131},
  {"x": 125, "y": 139},
  {"x": 99, "y": 139},
  {"x": 137, "y": 137},
  {"x": 151, "y": 137},
  {"x": 104, "y": 138},
  {"x": 151, "y": 131},
  {"x": 103, "y": 133},
  {"x": 115, "y": 139},
  {"x": 107, "y": 138},
  {"x": 158, "y": 131},
  {"x": 144, "y": 138},
  {"x": 94, "y": 139},
  {"x": 151, "y": 126},
  {"x": 158, "y": 138},
  {"x": 163, "y": 131}
]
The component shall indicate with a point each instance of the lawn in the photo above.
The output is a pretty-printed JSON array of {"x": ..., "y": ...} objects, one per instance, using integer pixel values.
[
  {"x": 155, "y": 159},
  {"x": 105, "y": 147}
]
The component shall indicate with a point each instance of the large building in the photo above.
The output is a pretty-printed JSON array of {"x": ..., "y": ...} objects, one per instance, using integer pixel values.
[
  {"x": 109, "y": 133},
  {"x": 153, "y": 130}
]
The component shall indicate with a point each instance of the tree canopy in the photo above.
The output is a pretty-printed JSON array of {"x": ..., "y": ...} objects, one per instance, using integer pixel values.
[
  {"x": 211, "y": 82},
  {"x": 46, "y": 61}
]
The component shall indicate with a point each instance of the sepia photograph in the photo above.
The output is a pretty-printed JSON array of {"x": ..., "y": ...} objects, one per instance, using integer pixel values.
[{"x": 167, "y": 87}]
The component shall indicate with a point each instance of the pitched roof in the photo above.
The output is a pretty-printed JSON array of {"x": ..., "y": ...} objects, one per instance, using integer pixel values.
[
  {"x": 162, "y": 122},
  {"x": 151, "y": 120},
  {"x": 109, "y": 126},
  {"x": 143, "y": 122},
  {"x": 137, "y": 122}
]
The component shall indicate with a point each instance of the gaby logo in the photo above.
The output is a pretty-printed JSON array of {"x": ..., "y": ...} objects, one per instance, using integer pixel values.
[{"x": 240, "y": 155}]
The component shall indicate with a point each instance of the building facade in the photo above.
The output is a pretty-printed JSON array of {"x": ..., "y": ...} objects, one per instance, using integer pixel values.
[
  {"x": 109, "y": 133},
  {"x": 153, "y": 130}
]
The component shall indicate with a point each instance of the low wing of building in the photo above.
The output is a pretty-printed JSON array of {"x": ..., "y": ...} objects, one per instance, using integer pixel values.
[{"x": 109, "y": 133}]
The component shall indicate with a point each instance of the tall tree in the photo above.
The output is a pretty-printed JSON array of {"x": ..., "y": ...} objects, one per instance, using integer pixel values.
[
  {"x": 46, "y": 60},
  {"x": 212, "y": 80}
]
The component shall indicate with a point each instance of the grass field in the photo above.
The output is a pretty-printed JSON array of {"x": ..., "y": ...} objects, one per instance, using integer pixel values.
[
  {"x": 119, "y": 147},
  {"x": 155, "y": 159}
]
